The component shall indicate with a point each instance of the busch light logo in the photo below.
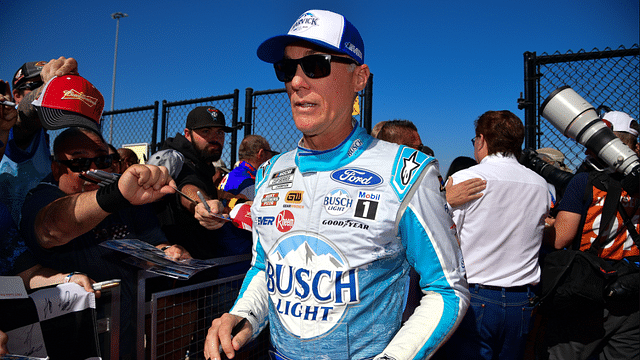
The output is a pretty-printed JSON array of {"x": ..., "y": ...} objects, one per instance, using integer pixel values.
[
  {"x": 357, "y": 177},
  {"x": 337, "y": 202},
  {"x": 356, "y": 144},
  {"x": 304, "y": 22},
  {"x": 310, "y": 284}
]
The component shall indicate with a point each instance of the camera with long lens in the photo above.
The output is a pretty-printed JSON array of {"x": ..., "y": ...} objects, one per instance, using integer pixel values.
[
  {"x": 574, "y": 117},
  {"x": 554, "y": 176}
]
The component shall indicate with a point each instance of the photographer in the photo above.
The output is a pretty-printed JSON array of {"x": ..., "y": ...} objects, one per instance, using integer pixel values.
[{"x": 612, "y": 329}]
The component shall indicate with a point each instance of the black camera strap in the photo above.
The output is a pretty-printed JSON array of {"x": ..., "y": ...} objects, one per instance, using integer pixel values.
[
  {"x": 629, "y": 224},
  {"x": 609, "y": 209}
]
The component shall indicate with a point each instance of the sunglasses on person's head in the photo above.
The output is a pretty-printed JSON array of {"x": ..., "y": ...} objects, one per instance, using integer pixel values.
[
  {"x": 30, "y": 85},
  {"x": 314, "y": 66},
  {"x": 83, "y": 164}
]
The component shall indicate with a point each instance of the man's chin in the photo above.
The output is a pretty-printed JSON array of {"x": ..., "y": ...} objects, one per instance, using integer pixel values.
[{"x": 212, "y": 157}]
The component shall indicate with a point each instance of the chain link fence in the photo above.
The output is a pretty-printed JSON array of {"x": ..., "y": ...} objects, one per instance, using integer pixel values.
[
  {"x": 266, "y": 113},
  {"x": 174, "y": 118},
  {"x": 608, "y": 77}
]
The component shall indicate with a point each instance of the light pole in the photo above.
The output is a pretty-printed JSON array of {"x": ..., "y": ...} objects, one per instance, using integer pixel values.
[{"x": 117, "y": 17}]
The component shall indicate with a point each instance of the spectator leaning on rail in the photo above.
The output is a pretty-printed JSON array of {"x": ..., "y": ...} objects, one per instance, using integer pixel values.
[
  {"x": 329, "y": 275},
  {"x": 186, "y": 223},
  {"x": 65, "y": 218},
  {"x": 587, "y": 330},
  {"x": 500, "y": 235}
]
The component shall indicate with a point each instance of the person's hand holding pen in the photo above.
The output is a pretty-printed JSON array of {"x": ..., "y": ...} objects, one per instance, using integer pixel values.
[{"x": 206, "y": 211}]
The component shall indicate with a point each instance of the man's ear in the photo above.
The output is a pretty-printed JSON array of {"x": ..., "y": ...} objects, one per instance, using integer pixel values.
[
  {"x": 361, "y": 76},
  {"x": 187, "y": 133},
  {"x": 57, "y": 170}
]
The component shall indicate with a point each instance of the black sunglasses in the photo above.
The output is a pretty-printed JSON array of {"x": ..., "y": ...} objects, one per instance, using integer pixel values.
[
  {"x": 83, "y": 164},
  {"x": 314, "y": 66},
  {"x": 30, "y": 85}
]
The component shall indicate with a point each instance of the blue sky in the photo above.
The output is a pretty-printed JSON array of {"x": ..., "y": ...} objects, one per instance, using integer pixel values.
[{"x": 438, "y": 64}]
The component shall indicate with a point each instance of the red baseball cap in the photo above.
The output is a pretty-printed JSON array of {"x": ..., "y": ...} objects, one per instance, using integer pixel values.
[{"x": 67, "y": 101}]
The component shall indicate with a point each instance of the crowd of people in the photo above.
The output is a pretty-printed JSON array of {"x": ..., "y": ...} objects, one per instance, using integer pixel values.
[{"x": 361, "y": 250}]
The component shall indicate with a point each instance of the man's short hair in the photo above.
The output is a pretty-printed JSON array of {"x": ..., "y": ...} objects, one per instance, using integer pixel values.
[
  {"x": 395, "y": 130},
  {"x": 69, "y": 135},
  {"x": 376, "y": 128},
  {"x": 502, "y": 130},
  {"x": 250, "y": 146}
]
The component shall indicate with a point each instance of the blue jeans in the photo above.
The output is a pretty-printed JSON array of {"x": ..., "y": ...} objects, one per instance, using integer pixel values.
[{"x": 495, "y": 325}]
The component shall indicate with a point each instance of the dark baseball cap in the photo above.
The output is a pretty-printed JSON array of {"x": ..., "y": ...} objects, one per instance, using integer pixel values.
[
  {"x": 28, "y": 71},
  {"x": 206, "y": 116}
]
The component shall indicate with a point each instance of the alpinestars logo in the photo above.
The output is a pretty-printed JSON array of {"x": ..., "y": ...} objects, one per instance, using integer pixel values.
[
  {"x": 410, "y": 165},
  {"x": 304, "y": 22}
]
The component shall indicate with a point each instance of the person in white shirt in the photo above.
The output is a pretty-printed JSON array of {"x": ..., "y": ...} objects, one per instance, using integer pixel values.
[{"x": 500, "y": 235}]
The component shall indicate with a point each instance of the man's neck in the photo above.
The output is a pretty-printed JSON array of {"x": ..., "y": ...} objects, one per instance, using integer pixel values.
[{"x": 326, "y": 141}]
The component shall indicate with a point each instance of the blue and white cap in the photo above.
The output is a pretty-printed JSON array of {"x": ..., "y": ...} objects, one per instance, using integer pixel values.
[{"x": 323, "y": 28}]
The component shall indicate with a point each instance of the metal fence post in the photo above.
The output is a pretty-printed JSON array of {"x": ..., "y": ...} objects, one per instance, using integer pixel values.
[
  {"x": 529, "y": 101},
  {"x": 234, "y": 123},
  {"x": 163, "y": 131},
  {"x": 154, "y": 133},
  {"x": 248, "y": 111}
]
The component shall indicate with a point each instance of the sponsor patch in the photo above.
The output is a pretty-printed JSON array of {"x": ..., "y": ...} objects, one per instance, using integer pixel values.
[
  {"x": 265, "y": 220},
  {"x": 311, "y": 284},
  {"x": 282, "y": 179},
  {"x": 367, "y": 205},
  {"x": 409, "y": 165},
  {"x": 346, "y": 224},
  {"x": 294, "y": 197},
  {"x": 356, "y": 144},
  {"x": 284, "y": 221},
  {"x": 337, "y": 202},
  {"x": 356, "y": 177},
  {"x": 270, "y": 199}
]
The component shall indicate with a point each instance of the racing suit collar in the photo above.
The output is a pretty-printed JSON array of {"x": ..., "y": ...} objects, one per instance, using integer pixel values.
[{"x": 341, "y": 155}]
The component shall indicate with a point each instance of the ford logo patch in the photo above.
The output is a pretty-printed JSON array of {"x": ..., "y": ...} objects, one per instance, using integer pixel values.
[{"x": 357, "y": 177}]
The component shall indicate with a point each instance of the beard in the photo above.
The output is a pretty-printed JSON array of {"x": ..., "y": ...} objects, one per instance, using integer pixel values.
[{"x": 207, "y": 155}]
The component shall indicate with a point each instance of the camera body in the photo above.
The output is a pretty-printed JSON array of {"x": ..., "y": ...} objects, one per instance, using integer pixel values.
[{"x": 554, "y": 176}]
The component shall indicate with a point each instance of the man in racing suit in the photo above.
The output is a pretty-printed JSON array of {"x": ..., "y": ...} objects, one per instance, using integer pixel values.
[{"x": 338, "y": 222}]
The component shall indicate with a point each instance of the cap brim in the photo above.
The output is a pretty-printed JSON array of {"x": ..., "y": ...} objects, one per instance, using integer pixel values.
[
  {"x": 53, "y": 119},
  {"x": 224, "y": 128},
  {"x": 272, "y": 49}
]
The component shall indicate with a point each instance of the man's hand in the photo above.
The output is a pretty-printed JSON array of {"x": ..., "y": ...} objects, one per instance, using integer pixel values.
[
  {"x": 61, "y": 66},
  {"x": 143, "y": 184},
  {"x": 219, "y": 335},
  {"x": 8, "y": 114},
  {"x": 4, "y": 339},
  {"x": 176, "y": 252},
  {"x": 205, "y": 218},
  {"x": 465, "y": 191}
]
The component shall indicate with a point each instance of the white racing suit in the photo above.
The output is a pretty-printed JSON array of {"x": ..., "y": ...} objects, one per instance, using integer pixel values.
[{"x": 335, "y": 233}]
